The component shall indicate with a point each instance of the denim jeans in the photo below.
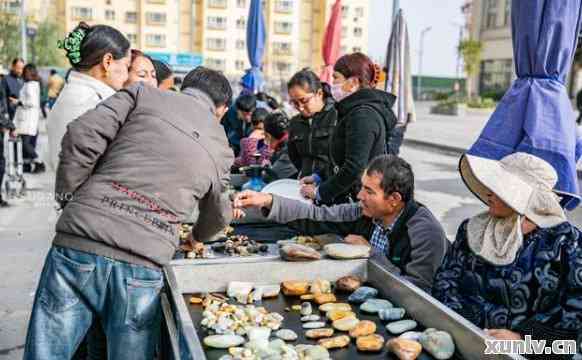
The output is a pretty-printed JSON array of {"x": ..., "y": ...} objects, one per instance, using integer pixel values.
[{"x": 76, "y": 287}]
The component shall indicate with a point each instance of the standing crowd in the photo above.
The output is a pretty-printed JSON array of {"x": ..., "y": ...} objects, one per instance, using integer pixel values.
[{"x": 134, "y": 161}]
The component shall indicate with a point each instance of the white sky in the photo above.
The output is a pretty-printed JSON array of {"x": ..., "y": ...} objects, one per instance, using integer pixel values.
[{"x": 440, "y": 55}]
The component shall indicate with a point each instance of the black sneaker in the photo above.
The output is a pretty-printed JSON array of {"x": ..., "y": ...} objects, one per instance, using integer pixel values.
[
  {"x": 3, "y": 204},
  {"x": 39, "y": 168},
  {"x": 27, "y": 168}
]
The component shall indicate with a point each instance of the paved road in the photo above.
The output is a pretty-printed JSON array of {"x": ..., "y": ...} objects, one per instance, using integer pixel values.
[{"x": 26, "y": 228}]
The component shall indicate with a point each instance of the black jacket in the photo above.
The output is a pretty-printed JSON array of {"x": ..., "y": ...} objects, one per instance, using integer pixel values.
[
  {"x": 364, "y": 126},
  {"x": 309, "y": 141},
  {"x": 5, "y": 122},
  {"x": 11, "y": 84}
]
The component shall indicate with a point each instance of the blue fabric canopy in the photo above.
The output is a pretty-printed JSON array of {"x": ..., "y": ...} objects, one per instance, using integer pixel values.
[
  {"x": 535, "y": 115},
  {"x": 256, "y": 38}
]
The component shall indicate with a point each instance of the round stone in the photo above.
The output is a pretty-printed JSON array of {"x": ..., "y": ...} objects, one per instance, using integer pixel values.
[
  {"x": 401, "y": 326},
  {"x": 286, "y": 334}
]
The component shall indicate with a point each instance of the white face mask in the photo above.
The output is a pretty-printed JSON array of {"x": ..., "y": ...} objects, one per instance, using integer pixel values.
[{"x": 338, "y": 92}]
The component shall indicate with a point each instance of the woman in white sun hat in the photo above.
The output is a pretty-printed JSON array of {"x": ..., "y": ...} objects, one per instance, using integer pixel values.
[{"x": 515, "y": 269}]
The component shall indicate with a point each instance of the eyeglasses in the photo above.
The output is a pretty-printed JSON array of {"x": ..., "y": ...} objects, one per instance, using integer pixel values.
[{"x": 299, "y": 103}]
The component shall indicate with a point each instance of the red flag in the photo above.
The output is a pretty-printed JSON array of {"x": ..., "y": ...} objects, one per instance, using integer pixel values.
[{"x": 332, "y": 42}]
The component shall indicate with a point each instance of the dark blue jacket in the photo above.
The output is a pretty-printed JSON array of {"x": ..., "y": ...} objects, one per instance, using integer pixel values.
[{"x": 11, "y": 84}]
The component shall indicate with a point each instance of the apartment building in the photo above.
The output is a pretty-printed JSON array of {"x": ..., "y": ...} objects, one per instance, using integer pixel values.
[{"x": 215, "y": 30}]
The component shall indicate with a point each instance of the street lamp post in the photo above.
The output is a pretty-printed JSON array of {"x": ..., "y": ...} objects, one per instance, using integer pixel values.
[
  {"x": 23, "y": 30},
  {"x": 395, "y": 8},
  {"x": 420, "y": 55}
]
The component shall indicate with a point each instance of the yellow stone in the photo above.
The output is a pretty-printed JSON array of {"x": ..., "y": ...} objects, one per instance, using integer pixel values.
[
  {"x": 345, "y": 324},
  {"x": 324, "y": 298},
  {"x": 307, "y": 297},
  {"x": 335, "y": 342},
  {"x": 373, "y": 342},
  {"x": 334, "y": 315},
  {"x": 319, "y": 333},
  {"x": 335, "y": 306},
  {"x": 320, "y": 286},
  {"x": 295, "y": 288},
  {"x": 364, "y": 328},
  {"x": 195, "y": 300},
  {"x": 296, "y": 307}
]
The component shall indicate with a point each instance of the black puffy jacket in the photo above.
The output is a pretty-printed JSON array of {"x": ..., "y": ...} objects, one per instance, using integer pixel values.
[
  {"x": 309, "y": 141},
  {"x": 365, "y": 121}
]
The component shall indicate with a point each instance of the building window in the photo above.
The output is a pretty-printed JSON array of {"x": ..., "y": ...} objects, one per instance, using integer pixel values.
[
  {"x": 283, "y": 27},
  {"x": 282, "y": 48},
  {"x": 240, "y": 44},
  {"x": 241, "y": 23},
  {"x": 216, "y": 44},
  {"x": 345, "y": 11},
  {"x": 495, "y": 75},
  {"x": 507, "y": 18},
  {"x": 156, "y": 40},
  {"x": 358, "y": 32},
  {"x": 491, "y": 14},
  {"x": 82, "y": 13},
  {"x": 110, "y": 15},
  {"x": 216, "y": 64},
  {"x": 284, "y": 6},
  {"x": 359, "y": 12},
  {"x": 156, "y": 18},
  {"x": 239, "y": 65},
  {"x": 132, "y": 38},
  {"x": 282, "y": 68},
  {"x": 344, "y": 31},
  {"x": 241, "y": 4},
  {"x": 217, "y": 4},
  {"x": 131, "y": 17},
  {"x": 216, "y": 22}
]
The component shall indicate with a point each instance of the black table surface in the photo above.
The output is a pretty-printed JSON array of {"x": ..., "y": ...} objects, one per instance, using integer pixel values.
[{"x": 293, "y": 321}]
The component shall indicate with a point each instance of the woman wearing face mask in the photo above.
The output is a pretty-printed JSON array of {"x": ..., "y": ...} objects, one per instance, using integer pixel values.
[
  {"x": 515, "y": 269},
  {"x": 141, "y": 70},
  {"x": 365, "y": 121},
  {"x": 99, "y": 56},
  {"x": 310, "y": 130}
]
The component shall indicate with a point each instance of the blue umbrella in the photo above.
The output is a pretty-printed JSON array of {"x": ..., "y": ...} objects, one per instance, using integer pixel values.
[
  {"x": 256, "y": 37},
  {"x": 535, "y": 115}
]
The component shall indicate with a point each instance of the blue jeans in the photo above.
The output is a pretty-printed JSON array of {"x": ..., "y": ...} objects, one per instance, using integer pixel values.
[{"x": 76, "y": 287}]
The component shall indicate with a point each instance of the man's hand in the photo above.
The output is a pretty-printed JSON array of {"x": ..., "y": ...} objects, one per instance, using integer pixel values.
[
  {"x": 13, "y": 100},
  {"x": 13, "y": 134},
  {"x": 503, "y": 334},
  {"x": 356, "y": 240},
  {"x": 238, "y": 214},
  {"x": 309, "y": 191},
  {"x": 252, "y": 199}
]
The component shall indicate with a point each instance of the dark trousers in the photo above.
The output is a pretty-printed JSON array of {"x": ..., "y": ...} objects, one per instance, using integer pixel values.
[
  {"x": 28, "y": 148},
  {"x": 395, "y": 140},
  {"x": 2, "y": 160}
]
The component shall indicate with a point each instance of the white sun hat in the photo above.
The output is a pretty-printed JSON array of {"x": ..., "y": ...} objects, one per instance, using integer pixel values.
[{"x": 522, "y": 181}]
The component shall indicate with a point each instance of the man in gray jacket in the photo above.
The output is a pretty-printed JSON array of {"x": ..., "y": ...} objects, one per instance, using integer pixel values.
[
  {"x": 387, "y": 218},
  {"x": 130, "y": 172}
]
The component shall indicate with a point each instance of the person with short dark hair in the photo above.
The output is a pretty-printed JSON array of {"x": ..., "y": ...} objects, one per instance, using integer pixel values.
[
  {"x": 237, "y": 122},
  {"x": 255, "y": 143},
  {"x": 387, "y": 218},
  {"x": 99, "y": 57},
  {"x": 164, "y": 74},
  {"x": 123, "y": 197},
  {"x": 277, "y": 138},
  {"x": 6, "y": 127},
  {"x": 27, "y": 119},
  {"x": 311, "y": 130},
  {"x": 12, "y": 84}
]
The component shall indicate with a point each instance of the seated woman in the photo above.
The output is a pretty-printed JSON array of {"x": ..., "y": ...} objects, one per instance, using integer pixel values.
[
  {"x": 254, "y": 144},
  {"x": 516, "y": 269},
  {"x": 277, "y": 136}
]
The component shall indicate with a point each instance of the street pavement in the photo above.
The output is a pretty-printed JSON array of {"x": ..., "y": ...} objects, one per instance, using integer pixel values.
[{"x": 27, "y": 227}]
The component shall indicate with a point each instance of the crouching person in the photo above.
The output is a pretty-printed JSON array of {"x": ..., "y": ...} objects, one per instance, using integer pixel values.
[
  {"x": 130, "y": 172},
  {"x": 515, "y": 269},
  {"x": 387, "y": 218}
]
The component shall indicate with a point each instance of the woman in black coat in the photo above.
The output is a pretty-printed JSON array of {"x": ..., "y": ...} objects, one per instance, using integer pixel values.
[
  {"x": 310, "y": 130},
  {"x": 365, "y": 121}
]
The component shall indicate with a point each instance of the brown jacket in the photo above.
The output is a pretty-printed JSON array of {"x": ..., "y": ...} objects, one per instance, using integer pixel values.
[{"x": 135, "y": 168}]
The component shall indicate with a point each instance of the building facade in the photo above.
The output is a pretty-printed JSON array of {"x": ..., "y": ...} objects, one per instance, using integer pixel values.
[{"x": 216, "y": 29}]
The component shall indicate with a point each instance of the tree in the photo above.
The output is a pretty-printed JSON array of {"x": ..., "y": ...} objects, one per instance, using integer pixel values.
[
  {"x": 470, "y": 50},
  {"x": 43, "y": 46},
  {"x": 9, "y": 38}
]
